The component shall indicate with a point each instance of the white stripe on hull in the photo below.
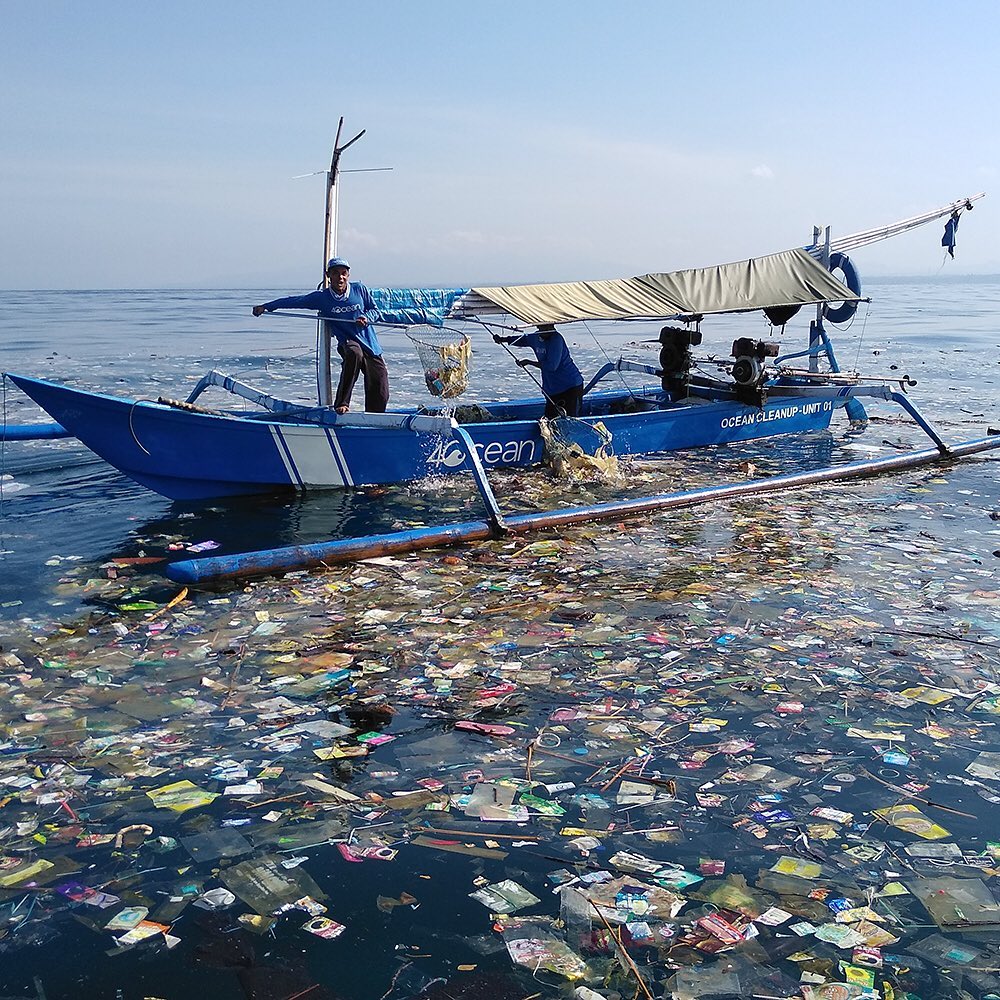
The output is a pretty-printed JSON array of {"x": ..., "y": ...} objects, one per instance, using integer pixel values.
[
  {"x": 286, "y": 458},
  {"x": 312, "y": 456}
]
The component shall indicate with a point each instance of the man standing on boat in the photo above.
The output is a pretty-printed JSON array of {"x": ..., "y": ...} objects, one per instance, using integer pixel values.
[
  {"x": 352, "y": 313},
  {"x": 562, "y": 382}
]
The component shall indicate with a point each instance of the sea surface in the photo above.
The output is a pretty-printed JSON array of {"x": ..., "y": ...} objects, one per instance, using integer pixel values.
[{"x": 689, "y": 687}]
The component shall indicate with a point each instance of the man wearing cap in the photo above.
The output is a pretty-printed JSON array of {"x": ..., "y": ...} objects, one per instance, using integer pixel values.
[
  {"x": 352, "y": 312},
  {"x": 562, "y": 382}
]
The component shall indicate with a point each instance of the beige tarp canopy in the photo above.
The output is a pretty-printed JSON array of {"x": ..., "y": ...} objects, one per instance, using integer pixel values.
[{"x": 782, "y": 279}]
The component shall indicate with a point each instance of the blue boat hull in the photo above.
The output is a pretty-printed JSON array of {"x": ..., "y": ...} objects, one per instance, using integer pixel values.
[{"x": 188, "y": 455}]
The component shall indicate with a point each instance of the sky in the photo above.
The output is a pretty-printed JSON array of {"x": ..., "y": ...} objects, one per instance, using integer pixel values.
[{"x": 162, "y": 145}]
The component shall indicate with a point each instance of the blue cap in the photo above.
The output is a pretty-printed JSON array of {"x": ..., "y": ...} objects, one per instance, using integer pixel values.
[{"x": 337, "y": 262}]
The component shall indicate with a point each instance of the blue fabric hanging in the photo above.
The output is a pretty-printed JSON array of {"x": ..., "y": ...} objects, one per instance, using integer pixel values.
[
  {"x": 950, "y": 234},
  {"x": 410, "y": 306}
]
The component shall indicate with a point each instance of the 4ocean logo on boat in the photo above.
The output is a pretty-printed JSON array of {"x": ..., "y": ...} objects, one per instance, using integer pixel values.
[
  {"x": 776, "y": 413},
  {"x": 451, "y": 454}
]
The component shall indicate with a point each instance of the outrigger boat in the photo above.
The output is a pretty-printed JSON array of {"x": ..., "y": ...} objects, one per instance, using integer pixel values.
[{"x": 187, "y": 452}]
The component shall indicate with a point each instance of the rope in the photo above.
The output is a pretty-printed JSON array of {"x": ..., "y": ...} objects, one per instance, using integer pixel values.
[
  {"x": 499, "y": 326},
  {"x": 131, "y": 428},
  {"x": 861, "y": 339},
  {"x": 607, "y": 358}
]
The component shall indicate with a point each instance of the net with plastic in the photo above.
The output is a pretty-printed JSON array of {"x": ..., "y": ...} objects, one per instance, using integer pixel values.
[
  {"x": 576, "y": 449},
  {"x": 444, "y": 356}
]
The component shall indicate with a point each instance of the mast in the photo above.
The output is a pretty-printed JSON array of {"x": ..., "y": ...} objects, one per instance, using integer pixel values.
[{"x": 324, "y": 328}]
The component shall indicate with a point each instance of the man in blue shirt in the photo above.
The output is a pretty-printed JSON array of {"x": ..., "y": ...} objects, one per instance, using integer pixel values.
[
  {"x": 352, "y": 312},
  {"x": 562, "y": 382}
]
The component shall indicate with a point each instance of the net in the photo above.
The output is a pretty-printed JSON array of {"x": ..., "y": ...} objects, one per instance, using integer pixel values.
[
  {"x": 444, "y": 356},
  {"x": 575, "y": 449}
]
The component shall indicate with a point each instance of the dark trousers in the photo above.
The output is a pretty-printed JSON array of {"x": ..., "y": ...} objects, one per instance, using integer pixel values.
[
  {"x": 571, "y": 400},
  {"x": 356, "y": 361}
]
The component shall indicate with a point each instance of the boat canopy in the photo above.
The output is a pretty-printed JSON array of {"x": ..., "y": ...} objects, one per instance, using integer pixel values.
[{"x": 790, "y": 278}]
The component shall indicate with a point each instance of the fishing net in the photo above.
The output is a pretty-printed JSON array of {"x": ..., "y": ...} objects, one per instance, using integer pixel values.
[
  {"x": 444, "y": 356},
  {"x": 576, "y": 449}
]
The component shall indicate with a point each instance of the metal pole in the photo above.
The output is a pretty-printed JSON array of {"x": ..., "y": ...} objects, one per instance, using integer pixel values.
[
  {"x": 814, "y": 338},
  {"x": 324, "y": 328},
  {"x": 330, "y": 222}
]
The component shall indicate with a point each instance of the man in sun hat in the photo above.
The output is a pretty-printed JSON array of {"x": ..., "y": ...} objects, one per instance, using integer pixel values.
[{"x": 352, "y": 312}]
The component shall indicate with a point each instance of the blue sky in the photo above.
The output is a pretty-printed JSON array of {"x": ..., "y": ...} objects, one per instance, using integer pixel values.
[{"x": 156, "y": 145}]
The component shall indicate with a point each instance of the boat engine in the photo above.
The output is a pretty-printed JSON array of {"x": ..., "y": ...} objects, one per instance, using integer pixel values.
[
  {"x": 748, "y": 369},
  {"x": 675, "y": 359}
]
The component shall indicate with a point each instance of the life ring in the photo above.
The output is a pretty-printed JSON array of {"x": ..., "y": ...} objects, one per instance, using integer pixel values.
[{"x": 843, "y": 312}]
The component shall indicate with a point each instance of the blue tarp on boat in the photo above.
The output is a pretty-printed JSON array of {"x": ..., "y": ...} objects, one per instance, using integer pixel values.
[{"x": 412, "y": 306}]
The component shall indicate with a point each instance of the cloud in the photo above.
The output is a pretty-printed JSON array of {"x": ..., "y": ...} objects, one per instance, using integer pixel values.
[
  {"x": 358, "y": 238},
  {"x": 465, "y": 237},
  {"x": 764, "y": 172}
]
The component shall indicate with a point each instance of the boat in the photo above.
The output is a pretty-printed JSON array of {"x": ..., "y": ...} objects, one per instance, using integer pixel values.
[{"x": 188, "y": 452}]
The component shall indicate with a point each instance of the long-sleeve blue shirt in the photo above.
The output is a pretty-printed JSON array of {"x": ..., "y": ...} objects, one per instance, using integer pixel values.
[
  {"x": 559, "y": 371},
  {"x": 343, "y": 310}
]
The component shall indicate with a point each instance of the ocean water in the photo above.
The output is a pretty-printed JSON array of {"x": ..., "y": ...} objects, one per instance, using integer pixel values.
[
  {"x": 828, "y": 602},
  {"x": 61, "y": 507}
]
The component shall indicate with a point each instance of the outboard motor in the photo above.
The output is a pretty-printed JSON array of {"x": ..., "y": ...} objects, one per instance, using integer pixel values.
[
  {"x": 675, "y": 359},
  {"x": 748, "y": 368}
]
